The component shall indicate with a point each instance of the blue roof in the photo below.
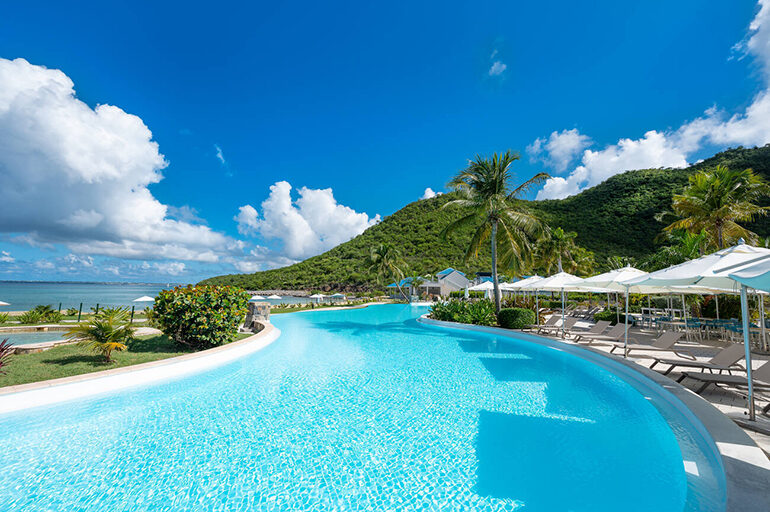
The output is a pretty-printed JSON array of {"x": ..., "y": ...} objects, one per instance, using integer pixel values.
[
  {"x": 449, "y": 271},
  {"x": 403, "y": 283}
]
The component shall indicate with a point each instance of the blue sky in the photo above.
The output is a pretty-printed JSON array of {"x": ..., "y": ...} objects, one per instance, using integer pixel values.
[{"x": 376, "y": 102}]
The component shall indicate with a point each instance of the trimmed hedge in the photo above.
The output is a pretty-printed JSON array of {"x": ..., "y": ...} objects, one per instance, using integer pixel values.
[
  {"x": 515, "y": 318},
  {"x": 611, "y": 315},
  {"x": 200, "y": 317}
]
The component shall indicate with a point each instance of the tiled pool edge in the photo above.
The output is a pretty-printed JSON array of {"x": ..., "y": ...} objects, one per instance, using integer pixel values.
[
  {"x": 48, "y": 392},
  {"x": 747, "y": 469}
]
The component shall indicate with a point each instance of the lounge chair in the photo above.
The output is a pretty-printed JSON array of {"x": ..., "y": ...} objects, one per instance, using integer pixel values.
[
  {"x": 726, "y": 360},
  {"x": 597, "y": 328},
  {"x": 548, "y": 323},
  {"x": 760, "y": 378},
  {"x": 615, "y": 334},
  {"x": 568, "y": 324},
  {"x": 664, "y": 342}
]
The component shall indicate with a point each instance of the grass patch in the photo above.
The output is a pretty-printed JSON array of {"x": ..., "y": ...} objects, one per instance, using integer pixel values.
[{"x": 70, "y": 360}]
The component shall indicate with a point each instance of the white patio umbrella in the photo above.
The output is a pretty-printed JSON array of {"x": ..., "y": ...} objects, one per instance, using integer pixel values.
[
  {"x": 559, "y": 282},
  {"x": 713, "y": 272},
  {"x": 487, "y": 287},
  {"x": 274, "y": 297},
  {"x": 519, "y": 285},
  {"x": 318, "y": 296},
  {"x": 145, "y": 298},
  {"x": 757, "y": 276},
  {"x": 4, "y": 303},
  {"x": 616, "y": 280},
  {"x": 707, "y": 272},
  {"x": 256, "y": 297}
]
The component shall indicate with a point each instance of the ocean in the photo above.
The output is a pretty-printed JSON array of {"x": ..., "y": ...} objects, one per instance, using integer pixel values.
[{"x": 24, "y": 295}]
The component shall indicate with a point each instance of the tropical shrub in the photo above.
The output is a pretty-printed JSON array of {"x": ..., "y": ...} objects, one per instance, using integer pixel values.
[
  {"x": 105, "y": 333},
  {"x": 30, "y": 317},
  {"x": 515, "y": 318},
  {"x": 472, "y": 294},
  {"x": 40, "y": 314},
  {"x": 72, "y": 311},
  {"x": 200, "y": 317},
  {"x": 449, "y": 311},
  {"x": 4, "y": 318},
  {"x": 6, "y": 350},
  {"x": 480, "y": 312}
]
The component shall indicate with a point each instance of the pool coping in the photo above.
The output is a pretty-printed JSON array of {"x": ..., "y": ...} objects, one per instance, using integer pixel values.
[
  {"x": 52, "y": 391},
  {"x": 746, "y": 467}
]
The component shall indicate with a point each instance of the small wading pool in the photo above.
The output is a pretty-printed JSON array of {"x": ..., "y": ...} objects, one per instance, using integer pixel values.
[
  {"x": 30, "y": 338},
  {"x": 368, "y": 410}
]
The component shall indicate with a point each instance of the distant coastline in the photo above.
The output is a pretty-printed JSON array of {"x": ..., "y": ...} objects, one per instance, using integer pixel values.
[{"x": 111, "y": 283}]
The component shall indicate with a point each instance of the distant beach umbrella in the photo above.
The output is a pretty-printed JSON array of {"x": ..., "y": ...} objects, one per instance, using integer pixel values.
[
  {"x": 4, "y": 303},
  {"x": 274, "y": 297},
  {"x": 145, "y": 298},
  {"x": 256, "y": 297}
]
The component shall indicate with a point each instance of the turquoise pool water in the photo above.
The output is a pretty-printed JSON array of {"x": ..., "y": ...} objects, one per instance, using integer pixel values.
[
  {"x": 28, "y": 338},
  {"x": 363, "y": 410}
]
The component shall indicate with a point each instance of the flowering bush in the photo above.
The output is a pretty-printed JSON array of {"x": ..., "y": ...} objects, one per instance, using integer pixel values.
[{"x": 200, "y": 317}]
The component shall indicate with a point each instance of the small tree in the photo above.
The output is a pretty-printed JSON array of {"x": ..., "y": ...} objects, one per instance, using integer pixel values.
[
  {"x": 200, "y": 317},
  {"x": 105, "y": 334},
  {"x": 386, "y": 262},
  {"x": 6, "y": 350},
  {"x": 716, "y": 200}
]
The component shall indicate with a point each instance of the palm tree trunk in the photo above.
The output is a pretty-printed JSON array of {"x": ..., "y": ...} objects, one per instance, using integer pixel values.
[
  {"x": 494, "y": 267},
  {"x": 560, "y": 268},
  {"x": 398, "y": 285},
  {"x": 720, "y": 241}
]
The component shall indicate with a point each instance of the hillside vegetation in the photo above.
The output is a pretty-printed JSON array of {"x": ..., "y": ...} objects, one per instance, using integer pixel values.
[{"x": 616, "y": 217}]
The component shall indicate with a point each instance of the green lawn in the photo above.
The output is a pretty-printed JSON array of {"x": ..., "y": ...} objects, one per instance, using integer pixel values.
[{"x": 69, "y": 360}]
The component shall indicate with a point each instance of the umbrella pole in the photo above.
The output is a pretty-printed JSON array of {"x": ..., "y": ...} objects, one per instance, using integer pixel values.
[
  {"x": 716, "y": 298},
  {"x": 747, "y": 348},
  {"x": 625, "y": 339},
  {"x": 537, "y": 308},
  {"x": 762, "y": 320},
  {"x": 562, "y": 313},
  {"x": 684, "y": 315},
  {"x": 617, "y": 309}
]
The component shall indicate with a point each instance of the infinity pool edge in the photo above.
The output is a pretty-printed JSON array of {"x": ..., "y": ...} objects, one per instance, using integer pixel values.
[
  {"x": 746, "y": 467},
  {"x": 53, "y": 391}
]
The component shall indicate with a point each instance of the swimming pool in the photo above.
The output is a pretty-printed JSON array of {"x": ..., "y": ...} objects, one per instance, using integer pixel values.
[
  {"x": 365, "y": 408},
  {"x": 29, "y": 338}
]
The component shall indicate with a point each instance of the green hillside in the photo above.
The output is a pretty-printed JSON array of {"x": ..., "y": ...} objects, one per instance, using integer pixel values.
[{"x": 615, "y": 217}]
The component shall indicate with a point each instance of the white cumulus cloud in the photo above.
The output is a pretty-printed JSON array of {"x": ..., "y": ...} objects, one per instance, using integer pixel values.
[
  {"x": 560, "y": 149},
  {"x": 672, "y": 148},
  {"x": 307, "y": 226},
  {"x": 79, "y": 176},
  {"x": 429, "y": 192}
]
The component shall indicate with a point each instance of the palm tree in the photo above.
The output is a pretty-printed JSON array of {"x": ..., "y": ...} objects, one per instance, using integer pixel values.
[
  {"x": 491, "y": 207},
  {"x": 109, "y": 331},
  {"x": 716, "y": 200},
  {"x": 557, "y": 247},
  {"x": 386, "y": 261}
]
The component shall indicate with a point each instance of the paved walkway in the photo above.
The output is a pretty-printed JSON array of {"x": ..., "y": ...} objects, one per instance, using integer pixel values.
[{"x": 731, "y": 403}]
